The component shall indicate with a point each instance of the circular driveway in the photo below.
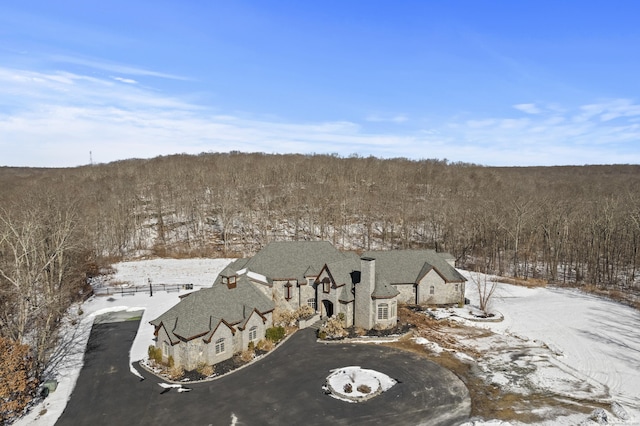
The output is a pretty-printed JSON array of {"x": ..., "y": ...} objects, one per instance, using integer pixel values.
[{"x": 285, "y": 387}]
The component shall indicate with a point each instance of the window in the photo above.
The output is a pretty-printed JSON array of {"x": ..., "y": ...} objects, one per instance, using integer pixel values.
[
  {"x": 432, "y": 290},
  {"x": 165, "y": 348},
  {"x": 457, "y": 289},
  {"x": 312, "y": 302},
  {"x": 253, "y": 333},
  {"x": 287, "y": 291},
  {"x": 393, "y": 310},
  {"x": 220, "y": 346},
  {"x": 311, "y": 280},
  {"x": 326, "y": 285},
  {"x": 414, "y": 288},
  {"x": 383, "y": 311}
]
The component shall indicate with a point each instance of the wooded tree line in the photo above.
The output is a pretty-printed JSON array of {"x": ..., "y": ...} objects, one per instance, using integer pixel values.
[
  {"x": 42, "y": 269},
  {"x": 565, "y": 224}
]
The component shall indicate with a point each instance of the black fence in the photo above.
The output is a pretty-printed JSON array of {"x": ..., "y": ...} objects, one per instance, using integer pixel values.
[{"x": 130, "y": 291}]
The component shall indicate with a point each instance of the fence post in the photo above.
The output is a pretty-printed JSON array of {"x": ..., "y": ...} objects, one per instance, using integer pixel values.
[{"x": 150, "y": 288}]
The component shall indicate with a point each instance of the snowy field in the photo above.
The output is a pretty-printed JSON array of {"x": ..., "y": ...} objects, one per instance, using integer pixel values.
[{"x": 578, "y": 345}]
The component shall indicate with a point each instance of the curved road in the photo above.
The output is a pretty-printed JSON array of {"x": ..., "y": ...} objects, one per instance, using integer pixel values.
[{"x": 283, "y": 388}]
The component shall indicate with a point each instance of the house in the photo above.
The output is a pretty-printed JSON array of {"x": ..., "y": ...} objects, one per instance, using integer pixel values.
[
  {"x": 422, "y": 277},
  {"x": 210, "y": 325}
]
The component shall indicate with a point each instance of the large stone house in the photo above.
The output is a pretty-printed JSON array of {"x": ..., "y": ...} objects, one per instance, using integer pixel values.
[{"x": 210, "y": 325}]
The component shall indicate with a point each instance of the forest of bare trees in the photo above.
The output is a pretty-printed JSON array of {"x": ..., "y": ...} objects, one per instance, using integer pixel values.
[{"x": 562, "y": 224}]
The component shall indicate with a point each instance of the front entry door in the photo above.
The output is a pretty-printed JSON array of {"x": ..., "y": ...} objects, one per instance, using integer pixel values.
[{"x": 328, "y": 308}]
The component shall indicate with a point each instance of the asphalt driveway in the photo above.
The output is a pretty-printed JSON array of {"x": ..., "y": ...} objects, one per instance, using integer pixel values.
[{"x": 283, "y": 388}]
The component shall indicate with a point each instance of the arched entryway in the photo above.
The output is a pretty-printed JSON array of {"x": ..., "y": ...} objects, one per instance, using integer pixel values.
[{"x": 327, "y": 306}]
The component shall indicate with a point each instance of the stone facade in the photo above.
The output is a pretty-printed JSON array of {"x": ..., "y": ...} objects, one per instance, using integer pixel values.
[{"x": 210, "y": 325}]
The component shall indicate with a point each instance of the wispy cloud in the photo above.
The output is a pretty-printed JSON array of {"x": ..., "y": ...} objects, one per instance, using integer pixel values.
[
  {"x": 31, "y": 88},
  {"x": 56, "y": 118},
  {"x": 125, "y": 80},
  {"x": 378, "y": 118},
  {"x": 611, "y": 110},
  {"x": 114, "y": 67},
  {"x": 528, "y": 108}
]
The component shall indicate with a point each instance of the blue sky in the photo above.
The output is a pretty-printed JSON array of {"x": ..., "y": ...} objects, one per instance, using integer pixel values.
[{"x": 506, "y": 83}]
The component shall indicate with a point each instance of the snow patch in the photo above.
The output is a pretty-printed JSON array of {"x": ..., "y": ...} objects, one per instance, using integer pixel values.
[
  {"x": 355, "y": 384},
  {"x": 432, "y": 346}
]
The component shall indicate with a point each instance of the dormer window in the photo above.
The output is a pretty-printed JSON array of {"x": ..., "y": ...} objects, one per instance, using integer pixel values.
[
  {"x": 326, "y": 285},
  {"x": 229, "y": 281}
]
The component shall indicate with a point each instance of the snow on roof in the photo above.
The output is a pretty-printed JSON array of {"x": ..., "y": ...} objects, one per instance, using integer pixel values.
[{"x": 257, "y": 277}]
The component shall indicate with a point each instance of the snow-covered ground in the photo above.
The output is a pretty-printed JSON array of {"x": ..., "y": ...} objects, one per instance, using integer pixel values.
[
  {"x": 578, "y": 345},
  {"x": 354, "y": 377}
]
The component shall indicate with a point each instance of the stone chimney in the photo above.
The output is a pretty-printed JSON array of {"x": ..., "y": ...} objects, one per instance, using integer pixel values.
[{"x": 363, "y": 301}]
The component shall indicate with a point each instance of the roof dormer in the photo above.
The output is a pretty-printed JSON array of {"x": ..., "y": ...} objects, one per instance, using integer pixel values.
[{"x": 229, "y": 280}]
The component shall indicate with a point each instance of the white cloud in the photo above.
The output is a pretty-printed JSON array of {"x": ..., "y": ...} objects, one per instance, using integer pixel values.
[
  {"x": 125, "y": 80},
  {"x": 114, "y": 67},
  {"x": 481, "y": 123},
  {"x": 609, "y": 110},
  {"x": 56, "y": 118},
  {"x": 376, "y": 118},
  {"x": 528, "y": 108}
]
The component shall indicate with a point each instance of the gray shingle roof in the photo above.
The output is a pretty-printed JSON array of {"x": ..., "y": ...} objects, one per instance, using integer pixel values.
[
  {"x": 409, "y": 266},
  {"x": 346, "y": 293},
  {"x": 342, "y": 271},
  {"x": 293, "y": 259},
  {"x": 383, "y": 290},
  {"x": 199, "y": 313}
]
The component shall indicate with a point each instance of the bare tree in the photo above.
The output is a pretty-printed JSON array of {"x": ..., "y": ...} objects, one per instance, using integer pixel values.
[
  {"x": 39, "y": 272},
  {"x": 485, "y": 288}
]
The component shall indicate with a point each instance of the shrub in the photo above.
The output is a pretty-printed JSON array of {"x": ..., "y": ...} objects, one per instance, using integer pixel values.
[
  {"x": 284, "y": 318},
  {"x": 18, "y": 383},
  {"x": 322, "y": 334},
  {"x": 206, "y": 370},
  {"x": 333, "y": 329},
  {"x": 251, "y": 346},
  {"x": 155, "y": 354},
  {"x": 265, "y": 345},
  {"x": 275, "y": 334},
  {"x": 287, "y": 318},
  {"x": 359, "y": 331},
  {"x": 364, "y": 389},
  {"x": 175, "y": 373},
  {"x": 348, "y": 388},
  {"x": 304, "y": 312},
  {"x": 171, "y": 362},
  {"x": 247, "y": 355}
]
